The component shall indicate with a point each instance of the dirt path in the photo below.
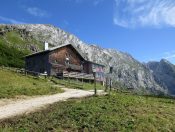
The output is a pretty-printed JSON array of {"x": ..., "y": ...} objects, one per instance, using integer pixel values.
[{"x": 28, "y": 105}]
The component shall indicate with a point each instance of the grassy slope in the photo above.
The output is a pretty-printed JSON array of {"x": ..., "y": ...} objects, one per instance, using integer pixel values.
[
  {"x": 117, "y": 112},
  {"x": 10, "y": 56},
  {"x": 13, "y": 48},
  {"x": 13, "y": 84}
]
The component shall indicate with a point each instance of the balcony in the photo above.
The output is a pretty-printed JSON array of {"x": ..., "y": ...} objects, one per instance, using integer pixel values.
[
  {"x": 67, "y": 66},
  {"x": 74, "y": 67}
]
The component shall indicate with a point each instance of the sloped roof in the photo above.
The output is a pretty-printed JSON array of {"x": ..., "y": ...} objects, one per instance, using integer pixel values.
[
  {"x": 57, "y": 47},
  {"x": 60, "y": 46}
]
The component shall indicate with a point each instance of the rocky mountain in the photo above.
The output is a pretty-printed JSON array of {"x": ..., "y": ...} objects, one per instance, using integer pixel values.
[
  {"x": 128, "y": 72},
  {"x": 164, "y": 73}
]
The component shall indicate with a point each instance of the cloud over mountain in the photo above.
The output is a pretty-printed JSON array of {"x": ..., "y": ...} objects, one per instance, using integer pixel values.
[
  {"x": 134, "y": 13},
  {"x": 11, "y": 20},
  {"x": 37, "y": 12}
]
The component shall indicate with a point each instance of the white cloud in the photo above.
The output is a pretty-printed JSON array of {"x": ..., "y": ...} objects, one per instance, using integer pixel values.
[
  {"x": 37, "y": 12},
  {"x": 10, "y": 20},
  {"x": 93, "y": 2},
  {"x": 96, "y": 2},
  {"x": 66, "y": 23},
  {"x": 139, "y": 13},
  {"x": 78, "y": 1},
  {"x": 169, "y": 55}
]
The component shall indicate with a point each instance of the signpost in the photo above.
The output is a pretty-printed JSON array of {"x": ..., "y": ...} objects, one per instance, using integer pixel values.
[
  {"x": 82, "y": 63},
  {"x": 95, "y": 87},
  {"x": 106, "y": 88},
  {"x": 110, "y": 80},
  {"x": 67, "y": 63}
]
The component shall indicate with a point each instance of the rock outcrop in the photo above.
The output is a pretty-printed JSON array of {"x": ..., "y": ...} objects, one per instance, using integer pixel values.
[{"x": 164, "y": 73}]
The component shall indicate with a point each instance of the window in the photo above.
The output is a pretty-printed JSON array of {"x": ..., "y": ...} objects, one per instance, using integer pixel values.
[{"x": 67, "y": 55}]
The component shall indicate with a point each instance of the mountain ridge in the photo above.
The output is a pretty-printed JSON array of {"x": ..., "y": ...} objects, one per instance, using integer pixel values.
[
  {"x": 164, "y": 73},
  {"x": 128, "y": 72}
]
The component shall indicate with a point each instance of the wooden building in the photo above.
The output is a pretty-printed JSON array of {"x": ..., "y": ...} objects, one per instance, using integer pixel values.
[{"x": 57, "y": 60}]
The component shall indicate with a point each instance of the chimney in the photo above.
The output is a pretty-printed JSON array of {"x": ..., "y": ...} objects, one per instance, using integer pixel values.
[{"x": 46, "y": 46}]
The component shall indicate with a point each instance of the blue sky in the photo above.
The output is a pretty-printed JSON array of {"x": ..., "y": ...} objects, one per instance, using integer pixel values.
[{"x": 143, "y": 28}]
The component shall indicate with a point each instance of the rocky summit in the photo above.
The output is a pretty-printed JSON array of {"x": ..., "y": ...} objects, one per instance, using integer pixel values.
[
  {"x": 164, "y": 73},
  {"x": 128, "y": 72}
]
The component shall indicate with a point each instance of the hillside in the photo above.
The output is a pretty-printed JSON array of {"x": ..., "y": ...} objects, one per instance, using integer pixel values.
[
  {"x": 14, "y": 45},
  {"x": 115, "y": 112},
  {"x": 128, "y": 72},
  {"x": 14, "y": 84}
]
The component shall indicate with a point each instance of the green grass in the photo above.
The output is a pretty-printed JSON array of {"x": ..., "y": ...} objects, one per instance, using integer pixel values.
[
  {"x": 13, "y": 48},
  {"x": 10, "y": 56},
  {"x": 72, "y": 83},
  {"x": 13, "y": 84},
  {"x": 15, "y": 39},
  {"x": 117, "y": 112}
]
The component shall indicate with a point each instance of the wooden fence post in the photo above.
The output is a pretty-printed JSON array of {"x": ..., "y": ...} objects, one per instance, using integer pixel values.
[
  {"x": 95, "y": 87},
  {"x": 68, "y": 79},
  {"x": 106, "y": 87},
  {"x": 82, "y": 81},
  {"x": 110, "y": 85}
]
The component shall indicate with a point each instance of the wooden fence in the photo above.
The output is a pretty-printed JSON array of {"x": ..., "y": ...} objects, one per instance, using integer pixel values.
[
  {"x": 77, "y": 75},
  {"x": 79, "y": 78},
  {"x": 67, "y": 76},
  {"x": 23, "y": 71}
]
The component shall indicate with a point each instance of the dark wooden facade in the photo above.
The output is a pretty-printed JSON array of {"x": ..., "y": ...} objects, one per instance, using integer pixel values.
[
  {"x": 38, "y": 63},
  {"x": 57, "y": 60},
  {"x": 54, "y": 61}
]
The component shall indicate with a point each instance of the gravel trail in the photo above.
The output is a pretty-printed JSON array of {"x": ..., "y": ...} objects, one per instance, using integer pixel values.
[{"x": 29, "y": 105}]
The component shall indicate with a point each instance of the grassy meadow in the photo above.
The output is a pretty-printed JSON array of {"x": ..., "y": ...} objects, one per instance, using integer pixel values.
[
  {"x": 14, "y": 84},
  {"x": 114, "y": 112}
]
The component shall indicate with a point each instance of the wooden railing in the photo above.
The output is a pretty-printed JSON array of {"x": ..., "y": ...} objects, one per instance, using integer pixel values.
[
  {"x": 78, "y": 75},
  {"x": 74, "y": 67},
  {"x": 66, "y": 66}
]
